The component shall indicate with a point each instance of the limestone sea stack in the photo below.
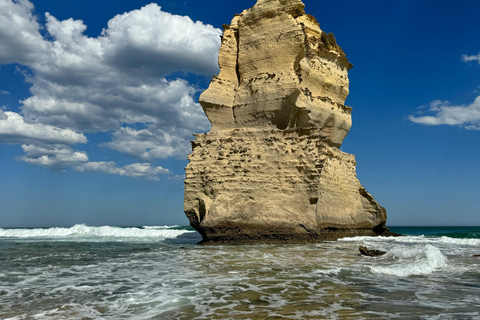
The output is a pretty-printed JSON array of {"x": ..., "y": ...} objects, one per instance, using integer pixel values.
[{"x": 270, "y": 169}]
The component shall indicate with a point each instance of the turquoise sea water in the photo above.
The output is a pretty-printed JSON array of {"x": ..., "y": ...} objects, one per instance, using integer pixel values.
[{"x": 160, "y": 272}]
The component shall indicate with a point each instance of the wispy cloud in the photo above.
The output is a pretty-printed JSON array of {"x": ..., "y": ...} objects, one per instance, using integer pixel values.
[
  {"x": 4, "y": 92},
  {"x": 135, "y": 170},
  {"x": 467, "y": 58},
  {"x": 467, "y": 116}
]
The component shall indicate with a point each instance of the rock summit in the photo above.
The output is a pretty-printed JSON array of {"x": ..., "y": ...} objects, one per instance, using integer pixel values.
[{"x": 270, "y": 169}]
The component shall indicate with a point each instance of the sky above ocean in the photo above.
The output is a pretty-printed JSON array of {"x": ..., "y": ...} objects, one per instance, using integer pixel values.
[{"x": 99, "y": 100}]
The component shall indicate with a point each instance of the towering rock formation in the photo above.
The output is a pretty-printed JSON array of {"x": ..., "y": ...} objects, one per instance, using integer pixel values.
[{"x": 270, "y": 169}]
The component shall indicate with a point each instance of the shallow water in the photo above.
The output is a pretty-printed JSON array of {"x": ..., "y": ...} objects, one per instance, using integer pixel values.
[{"x": 160, "y": 273}]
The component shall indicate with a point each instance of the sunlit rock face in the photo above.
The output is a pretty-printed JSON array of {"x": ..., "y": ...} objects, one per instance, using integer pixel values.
[{"x": 270, "y": 169}]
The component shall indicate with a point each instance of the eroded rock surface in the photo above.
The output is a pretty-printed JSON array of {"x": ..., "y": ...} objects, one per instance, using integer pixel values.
[{"x": 270, "y": 169}]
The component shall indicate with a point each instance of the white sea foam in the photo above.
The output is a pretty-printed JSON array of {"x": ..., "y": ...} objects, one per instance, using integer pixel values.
[
  {"x": 333, "y": 271},
  {"x": 421, "y": 239},
  {"x": 469, "y": 242},
  {"x": 329, "y": 280},
  {"x": 84, "y": 231},
  {"x": 412, "y": 261},
  {"x": 160, "y": 227}
]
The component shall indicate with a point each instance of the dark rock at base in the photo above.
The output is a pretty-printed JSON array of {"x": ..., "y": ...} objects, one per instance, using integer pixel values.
[
  {"x": 371, "y": 253},
  {"x": 251, "y": 234}
]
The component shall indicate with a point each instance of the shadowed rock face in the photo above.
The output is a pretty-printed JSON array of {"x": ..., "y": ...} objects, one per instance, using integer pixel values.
[{"x": 270, "y": 169}]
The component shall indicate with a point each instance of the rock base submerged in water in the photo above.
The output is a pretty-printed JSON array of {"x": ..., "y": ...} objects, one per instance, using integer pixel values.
[
  {"x": 371, "y": 252},
  {"x": 270, "y": 169}
]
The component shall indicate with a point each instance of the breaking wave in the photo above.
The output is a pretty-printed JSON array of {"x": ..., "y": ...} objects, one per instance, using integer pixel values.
[
  {"x": 421, "y": 254},
  {"x": 413, "y": 261},
  {"x": 84, "y": 231}
]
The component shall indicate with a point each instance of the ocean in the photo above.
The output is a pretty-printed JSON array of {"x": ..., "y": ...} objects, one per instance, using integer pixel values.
[{"x": 160, "y": 272}]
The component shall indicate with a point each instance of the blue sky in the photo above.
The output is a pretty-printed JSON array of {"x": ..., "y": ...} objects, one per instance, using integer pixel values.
[{"x": 99, "y": 99}]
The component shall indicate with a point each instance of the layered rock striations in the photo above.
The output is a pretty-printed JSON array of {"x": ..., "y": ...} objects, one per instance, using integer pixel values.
[{"x": 270, "y": 169}]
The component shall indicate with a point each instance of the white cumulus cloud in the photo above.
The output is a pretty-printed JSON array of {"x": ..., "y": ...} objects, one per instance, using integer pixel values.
[
  {"x": 20, "y": 40},
  {"x": 60, "y": 157},
  {"x": 148, "y": 144},
  {"x": 152, "y": 41},
  {"x": 14, "y": 129},
  {"x": 57, "y": 157},
  {"x": 114, "y": 83}
]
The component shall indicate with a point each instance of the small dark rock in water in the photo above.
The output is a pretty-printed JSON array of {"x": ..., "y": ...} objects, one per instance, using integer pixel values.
[
  {"x": 476, "y": 255},
  {"x": 371, "y": 253}
]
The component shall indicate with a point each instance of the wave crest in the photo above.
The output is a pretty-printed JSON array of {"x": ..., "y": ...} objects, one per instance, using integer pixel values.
[
  {"x": 84, "y": 231},
  {"x": 413, "y": 261}
]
